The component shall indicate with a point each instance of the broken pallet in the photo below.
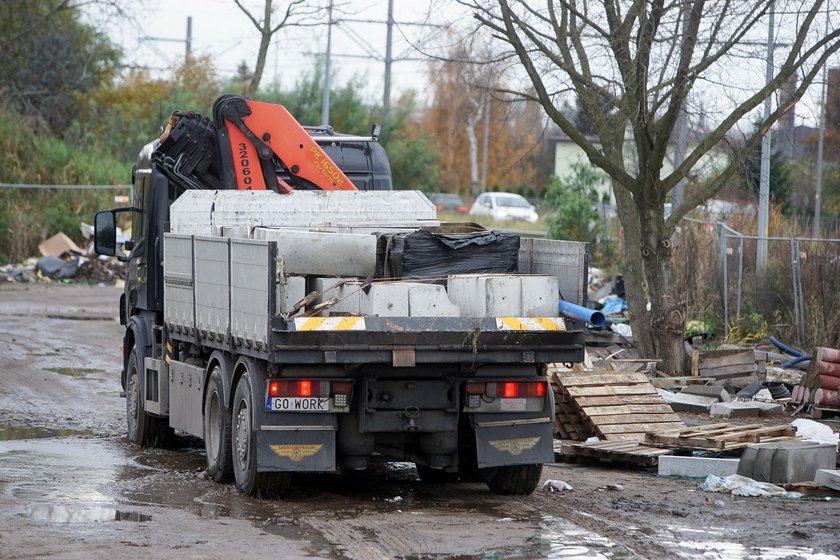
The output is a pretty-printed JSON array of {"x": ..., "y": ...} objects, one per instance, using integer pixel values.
[
  {"x": 610, "y": 405},
  {"x": 719, "y": 437},
  {"x": 621, "y": 451}
]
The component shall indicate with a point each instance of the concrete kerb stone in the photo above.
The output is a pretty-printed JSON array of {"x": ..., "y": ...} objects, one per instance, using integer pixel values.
[
  {"x": 696, "y": 467},
  {"x": 713, "y": 391},
  {"x": 681, "y": 402},
  {"x": 828, "y": 478}
]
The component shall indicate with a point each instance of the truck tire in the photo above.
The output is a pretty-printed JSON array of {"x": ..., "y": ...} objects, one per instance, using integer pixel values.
[
  {"x": 517, "y": 480},
  {"x": 244, "y": 448},
  {"x": 143, "y": 430},
  {"x": 217, "y": 429}
]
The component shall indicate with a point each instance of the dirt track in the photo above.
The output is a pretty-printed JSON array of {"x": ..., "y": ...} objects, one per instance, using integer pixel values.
[{"x": 72, "y": 487}]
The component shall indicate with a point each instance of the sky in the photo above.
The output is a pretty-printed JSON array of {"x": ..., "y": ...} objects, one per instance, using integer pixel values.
[
  {"x": 153, "y": 37},
  {"x": 221, "y": 30}
]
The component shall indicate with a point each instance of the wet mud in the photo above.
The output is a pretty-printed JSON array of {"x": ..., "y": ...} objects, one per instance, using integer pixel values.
[{"x": 72, "y": 487}]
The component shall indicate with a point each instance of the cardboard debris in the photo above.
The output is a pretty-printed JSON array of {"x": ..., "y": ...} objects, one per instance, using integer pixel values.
[{"x": 58, "y": 245}]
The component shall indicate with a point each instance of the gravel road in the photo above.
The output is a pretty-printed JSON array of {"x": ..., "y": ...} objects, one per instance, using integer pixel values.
[{"x": 72, "y": 487}]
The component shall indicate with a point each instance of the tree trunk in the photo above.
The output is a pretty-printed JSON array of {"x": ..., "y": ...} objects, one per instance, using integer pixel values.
[
  {"x": 635, "y": 285},
  {"x": 473, "y": 149},
  {"x": 667, "y": 319}
]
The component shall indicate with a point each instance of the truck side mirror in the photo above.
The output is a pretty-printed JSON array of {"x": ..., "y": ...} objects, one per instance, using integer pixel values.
[{"x": 105, "y": 233}]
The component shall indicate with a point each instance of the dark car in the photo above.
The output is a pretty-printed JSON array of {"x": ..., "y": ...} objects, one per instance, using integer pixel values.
[{"x": 448, "y": 202}]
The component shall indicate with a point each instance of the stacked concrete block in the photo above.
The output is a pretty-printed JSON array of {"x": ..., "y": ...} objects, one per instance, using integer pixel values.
[
  {"x": 786, "y": 461},
  {"x": 489, "y": 295},
  {"x": 385, "y": 299}
]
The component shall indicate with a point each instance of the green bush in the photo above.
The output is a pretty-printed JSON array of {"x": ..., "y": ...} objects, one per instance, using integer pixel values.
[{"x": 27, "y": 216}]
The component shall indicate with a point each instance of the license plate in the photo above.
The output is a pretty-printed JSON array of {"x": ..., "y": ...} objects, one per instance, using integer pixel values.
[{"x": 298, "y": 404}]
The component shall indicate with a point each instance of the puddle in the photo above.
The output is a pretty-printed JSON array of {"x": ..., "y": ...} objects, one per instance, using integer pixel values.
[
  {"x": 562, "y": 539},
  {"x": 74, "y": 372},
  {"x": 9, "y": 433},
  {"x": 69, "y": 513},
  {"x": 735, "y": 551}
]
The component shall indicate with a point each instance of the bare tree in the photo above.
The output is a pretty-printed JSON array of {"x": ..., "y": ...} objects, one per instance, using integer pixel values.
[
  {"x": 276, "y": 16},
  {"x": 644, "y": 60}
]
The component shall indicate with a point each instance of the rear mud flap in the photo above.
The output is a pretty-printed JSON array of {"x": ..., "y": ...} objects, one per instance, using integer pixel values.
[
  {"x": 296, "y": 450},
  {"x": 514, "y": 441}
]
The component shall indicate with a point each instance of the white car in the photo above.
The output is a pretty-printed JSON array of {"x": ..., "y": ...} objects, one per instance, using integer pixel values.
[{"x": 504, "y": 206}]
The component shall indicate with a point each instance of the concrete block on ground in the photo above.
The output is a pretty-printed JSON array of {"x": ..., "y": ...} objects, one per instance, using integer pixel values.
[
  {"x": 769, "y": 408},
  {"x": 717, "y": 392},
  {"x": 786, "y": 461},
  {"x": 736, "y": 409},
  {"x": 682, "y": 402},
  {"x": 828, "y": 478},
  {"x": 696, "y": 467}
]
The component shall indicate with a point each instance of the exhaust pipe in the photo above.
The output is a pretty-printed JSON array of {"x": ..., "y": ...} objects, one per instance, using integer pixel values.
[{"x": 580, "y": 313}]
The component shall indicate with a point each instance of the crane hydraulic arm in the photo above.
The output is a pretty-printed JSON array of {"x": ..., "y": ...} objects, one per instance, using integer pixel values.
[{"x": 251, "y": 134}]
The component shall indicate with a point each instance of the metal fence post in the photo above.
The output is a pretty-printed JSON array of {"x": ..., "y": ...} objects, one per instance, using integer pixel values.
[{"x": 725, "y": 273}]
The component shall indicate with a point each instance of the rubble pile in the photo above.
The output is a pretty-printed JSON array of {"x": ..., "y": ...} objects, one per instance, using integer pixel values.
[{"x": 64, "y": 261}]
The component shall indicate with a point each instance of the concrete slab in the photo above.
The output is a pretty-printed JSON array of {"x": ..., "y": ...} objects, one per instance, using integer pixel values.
[
  {"x": 504, "y": 295},
  {"x": 735, "y": 409},
  {"x": 828, "y": 478},
  {"x": 717, "y": 392},
  {"x": 696, "y": 467},
  {"x": 786, "y": 461},
  {"x": 697, "y": 404}
]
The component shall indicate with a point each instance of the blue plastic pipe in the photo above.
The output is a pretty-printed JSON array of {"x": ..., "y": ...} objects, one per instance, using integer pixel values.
[
  {"x": 785, "y": 348},
  {"x": 580, "y": 313}
]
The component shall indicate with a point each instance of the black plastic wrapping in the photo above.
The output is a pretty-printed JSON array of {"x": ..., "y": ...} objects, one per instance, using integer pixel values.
[{"x": 431, "y": 257}]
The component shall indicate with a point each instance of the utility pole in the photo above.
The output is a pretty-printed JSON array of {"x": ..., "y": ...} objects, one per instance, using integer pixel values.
[
  {"x": 486, "y": 141},
  {"x": 325, "y": 100},
  {"x": 386, "y": 95},
  {"x": 189, "y": 36},
  {"x": 820, "y": 145},
  {"x": 766, "y": 145}
]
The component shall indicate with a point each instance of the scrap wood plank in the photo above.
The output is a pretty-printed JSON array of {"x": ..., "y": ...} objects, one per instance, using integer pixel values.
[
  {"x": 627, "y": 409},
  {"x": 635, "y": 418},
  {"x": 729, "y": 371},
  {"x": 639, "y": 427},
  {"x": 618, "y": 400},
  {"x": 615, "y": 390},
  {"x": 599, "y": 379},
  {"x": 666, "y": 382}
]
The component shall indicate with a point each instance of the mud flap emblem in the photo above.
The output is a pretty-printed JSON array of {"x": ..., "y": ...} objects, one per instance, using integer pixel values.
[
  {"x": 514, "y": 446},
  {"x": 298, "y": 452}
]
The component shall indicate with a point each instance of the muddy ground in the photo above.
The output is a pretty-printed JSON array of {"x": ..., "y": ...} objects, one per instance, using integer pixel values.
[{"x": 72, "y": 487}]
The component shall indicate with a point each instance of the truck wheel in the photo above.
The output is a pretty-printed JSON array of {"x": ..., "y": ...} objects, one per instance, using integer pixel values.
[
  {"x": 244, "y": 448},
  {"x": 143, "y": 430},
  {"x": 435, "y": 476},
  {"x": 514, "y": 479},
  {"x": 217, "y": 430}
]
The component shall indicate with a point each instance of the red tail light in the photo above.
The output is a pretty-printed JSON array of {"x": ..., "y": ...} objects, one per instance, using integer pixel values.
[
  {"x": 462, "y": 209},
  {"x": 517, "y": 389},
  {"x": 296, "y": 388},
  {"x": 439, "y": 206}
]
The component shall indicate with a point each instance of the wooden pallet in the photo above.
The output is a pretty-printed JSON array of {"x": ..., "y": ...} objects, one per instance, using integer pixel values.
[
  {"x": 719, "y": 437},
  {"x": 621, "y": 451},
  {"x": 611, "y": 405}
]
